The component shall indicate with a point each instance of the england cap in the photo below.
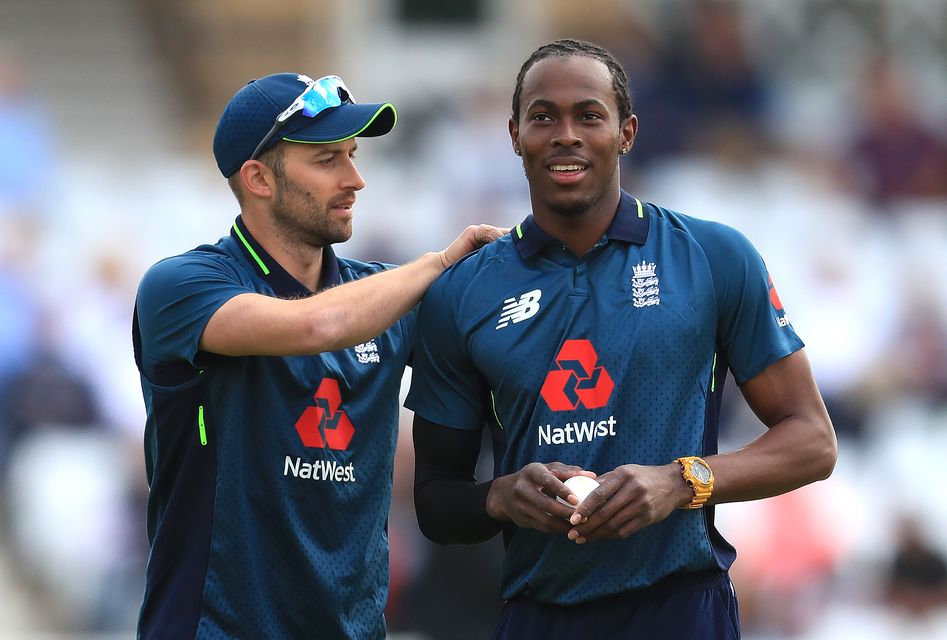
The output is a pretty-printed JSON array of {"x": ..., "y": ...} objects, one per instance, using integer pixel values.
[{"x": 295, "y": 108}]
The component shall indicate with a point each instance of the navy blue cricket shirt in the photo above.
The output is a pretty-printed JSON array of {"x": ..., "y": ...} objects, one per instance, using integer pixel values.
[
  {"x": 270, "y": 477},
  {"x": 615, "y": 357}
]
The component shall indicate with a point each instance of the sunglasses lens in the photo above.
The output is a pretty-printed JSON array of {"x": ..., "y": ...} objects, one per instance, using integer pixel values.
[{"x": 324, "y": 94}]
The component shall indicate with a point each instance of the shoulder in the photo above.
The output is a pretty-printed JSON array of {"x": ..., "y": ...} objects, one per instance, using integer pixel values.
[
  {"x": 481, "y": 263},
  {"x": 203, "y": 261},
  {"x": 716, "y": 240},
  {"x": 472, "y": 278}
]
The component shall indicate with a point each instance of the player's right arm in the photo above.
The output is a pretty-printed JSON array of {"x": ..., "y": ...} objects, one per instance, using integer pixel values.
[
  {"x": 254, "y": 324},
  {"x": 453, "y": 508},
  {"x": 448, "y": 400}
]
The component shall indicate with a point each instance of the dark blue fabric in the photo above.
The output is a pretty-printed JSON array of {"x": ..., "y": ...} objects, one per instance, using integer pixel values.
[
  {"x": 597, "y": 361},
  {"x": 701, "y": 605},
  {"x": 262, "y": 532}
]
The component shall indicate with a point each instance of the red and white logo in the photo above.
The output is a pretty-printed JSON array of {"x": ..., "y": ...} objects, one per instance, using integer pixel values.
[
  {"x": 326, "y": 424},
  {"x": 577, "y": 380},
  {"x": 774, "y": 300},
  {"x": 773, "y": 296}
]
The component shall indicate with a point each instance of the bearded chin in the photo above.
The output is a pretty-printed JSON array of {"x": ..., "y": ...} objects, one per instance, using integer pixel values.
[{"x": 572, "y": 207}]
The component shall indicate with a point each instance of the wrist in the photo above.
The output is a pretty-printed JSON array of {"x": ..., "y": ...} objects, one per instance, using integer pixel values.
[
  {"x": 681, "y": 492},
  {"x": 699, "y": 477},
  {"x": 494, "y": 503},
  {"x": 443, "y": 262}
]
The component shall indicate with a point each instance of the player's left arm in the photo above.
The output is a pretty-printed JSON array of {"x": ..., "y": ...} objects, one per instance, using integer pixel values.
[{"x": 798, "y": 447}]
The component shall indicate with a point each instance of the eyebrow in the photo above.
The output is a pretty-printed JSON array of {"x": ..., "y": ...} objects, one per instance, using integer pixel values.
[
  {"x": 320, "y": 151},
  {"x": 582, "y": 104}
]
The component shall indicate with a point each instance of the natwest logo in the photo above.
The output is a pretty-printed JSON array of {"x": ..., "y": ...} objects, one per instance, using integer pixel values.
[
  {"x": 773, "y": 296},
  {"x": 774, "y": 300},
  {"x": 576, "y": 380},
  {"x": 326, "y": 424}
]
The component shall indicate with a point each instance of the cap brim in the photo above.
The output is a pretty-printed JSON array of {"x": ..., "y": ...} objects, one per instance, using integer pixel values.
[{"x": 344, "y": 122}]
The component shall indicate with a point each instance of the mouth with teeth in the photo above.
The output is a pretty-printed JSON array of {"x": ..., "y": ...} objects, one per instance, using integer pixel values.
[{"x": 566, "y": 172}]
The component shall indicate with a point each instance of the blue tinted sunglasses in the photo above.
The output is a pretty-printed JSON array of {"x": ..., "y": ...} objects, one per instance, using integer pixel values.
[{"x": 319, "y": 95}]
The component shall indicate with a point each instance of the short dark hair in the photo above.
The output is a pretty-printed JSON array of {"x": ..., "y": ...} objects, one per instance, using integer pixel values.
[
  {"x": 274, "y": 158},
  {"x": 566, "y": 48}
]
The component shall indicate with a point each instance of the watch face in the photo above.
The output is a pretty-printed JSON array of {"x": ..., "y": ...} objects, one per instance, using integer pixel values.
[{"x": 701, "y": 472}]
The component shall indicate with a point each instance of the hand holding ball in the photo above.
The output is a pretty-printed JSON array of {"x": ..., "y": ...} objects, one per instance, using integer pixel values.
[{"x": 581, "y": 486}]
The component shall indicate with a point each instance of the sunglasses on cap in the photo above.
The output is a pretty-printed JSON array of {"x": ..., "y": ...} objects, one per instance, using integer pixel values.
[{"x": 319, "y": 95}]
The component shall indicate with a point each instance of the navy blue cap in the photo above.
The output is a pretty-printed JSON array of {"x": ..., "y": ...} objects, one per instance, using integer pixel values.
[{"x": 251, "y": 113}]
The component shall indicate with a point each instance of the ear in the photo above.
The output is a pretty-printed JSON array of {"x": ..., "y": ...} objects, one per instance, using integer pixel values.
[
  {"x": 257, "y": 179},
  {"x": 515, "y": 135},
  {"x": 629, "y": 129}
]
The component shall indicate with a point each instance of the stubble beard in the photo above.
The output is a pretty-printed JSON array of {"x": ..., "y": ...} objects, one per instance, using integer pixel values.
[
  {"x": 571, "y": 205},
  {"x": 303, "y": 218}
]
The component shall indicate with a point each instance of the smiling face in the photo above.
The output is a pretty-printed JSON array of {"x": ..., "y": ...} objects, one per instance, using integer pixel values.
[
  {"x": 315, "y": 193},
  {"x": 570, "y": 136}
]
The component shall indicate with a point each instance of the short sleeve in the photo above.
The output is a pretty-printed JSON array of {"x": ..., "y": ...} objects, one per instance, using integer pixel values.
[
  {"x": 752, "y": 326},
  {"x": 176, "y": 299},
  {"x": 445, "y": 386}
]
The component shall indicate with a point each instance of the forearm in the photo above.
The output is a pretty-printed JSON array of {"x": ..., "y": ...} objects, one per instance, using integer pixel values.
[
  {"x": 798, "y": 448},
  {"x": 450, "y": 504},
  {"x": 358, "y": 311},
  {"x": 789, "y": 455},
  {"x": 454, "y": 511},
  {"x": 352, "y": 313}
]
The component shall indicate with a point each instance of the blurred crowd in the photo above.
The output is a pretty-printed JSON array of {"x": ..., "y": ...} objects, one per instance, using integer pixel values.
[{"x": 836, "y": 172}]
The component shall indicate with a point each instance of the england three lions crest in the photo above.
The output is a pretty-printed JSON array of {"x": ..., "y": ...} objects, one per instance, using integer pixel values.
[{"x": 645, "y": 286}]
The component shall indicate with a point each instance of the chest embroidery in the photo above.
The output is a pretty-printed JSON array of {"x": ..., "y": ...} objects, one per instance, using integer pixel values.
[
  {"x": 645, "y": 286},
  {"x": 367, "y": 352}
]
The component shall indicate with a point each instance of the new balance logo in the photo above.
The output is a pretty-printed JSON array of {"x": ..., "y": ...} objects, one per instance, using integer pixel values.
[{"x": 518, "y": 310}]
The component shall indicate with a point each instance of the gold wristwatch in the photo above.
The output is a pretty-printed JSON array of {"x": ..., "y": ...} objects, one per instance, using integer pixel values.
[{"x": 699, "y": 477}]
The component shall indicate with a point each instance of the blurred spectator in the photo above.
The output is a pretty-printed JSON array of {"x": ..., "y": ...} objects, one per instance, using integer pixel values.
[
  {"x": 26, "y": 159},
  {"x": 96, "y": 339},
  {"x": 920, "y": 361},
  {"x": 66, "y": 501},
  {"x": 706, "y": 94},
  {"x": 44, "y": 392},
  {"x": 895, "y": 156},
  {"x": 917, "y": 576},
  {"x": 789, "y": 549}
]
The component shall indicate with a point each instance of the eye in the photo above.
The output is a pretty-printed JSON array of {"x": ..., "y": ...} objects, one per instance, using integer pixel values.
[
  {"x": 591, "y": 115},
  {"x": 540, "y": 117}
]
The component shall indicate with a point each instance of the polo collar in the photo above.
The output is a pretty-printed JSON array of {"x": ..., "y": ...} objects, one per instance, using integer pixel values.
[
  {"x": 284, "y": 285},
  {"x": 630, "y": 224}
]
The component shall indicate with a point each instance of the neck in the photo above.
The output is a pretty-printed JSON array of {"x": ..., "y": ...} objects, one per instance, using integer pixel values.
[
  {"x": 579, "y": 230},
  {"x": 301, "y": 261}
]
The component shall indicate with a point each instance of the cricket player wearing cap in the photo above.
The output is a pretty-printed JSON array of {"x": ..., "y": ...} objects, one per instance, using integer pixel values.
[{"x": 270, "y": 369}]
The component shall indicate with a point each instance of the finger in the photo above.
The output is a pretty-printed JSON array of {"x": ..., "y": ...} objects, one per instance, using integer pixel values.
[
  {"x": 485, "y": 233},
  {"x": 539, "y": 490},
  {"x": 549, "y": 523},
  {"x": 562, "y": 499},
  {"x": 596, "y": 498},
  {"x": 535, "y": 517},
  {"x": 629, "y": 527},
  {"x": 566, "y": 471},
  {"x": 599, "y": 526}
]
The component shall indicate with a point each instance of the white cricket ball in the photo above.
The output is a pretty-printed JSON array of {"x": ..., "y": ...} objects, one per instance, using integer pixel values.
[{"x": 581, "y": 486}]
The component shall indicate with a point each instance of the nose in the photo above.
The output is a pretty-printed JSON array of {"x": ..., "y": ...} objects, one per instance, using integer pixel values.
[
  {"x": 351, "y": 178},
  {"x": 566, "y": 134}
]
